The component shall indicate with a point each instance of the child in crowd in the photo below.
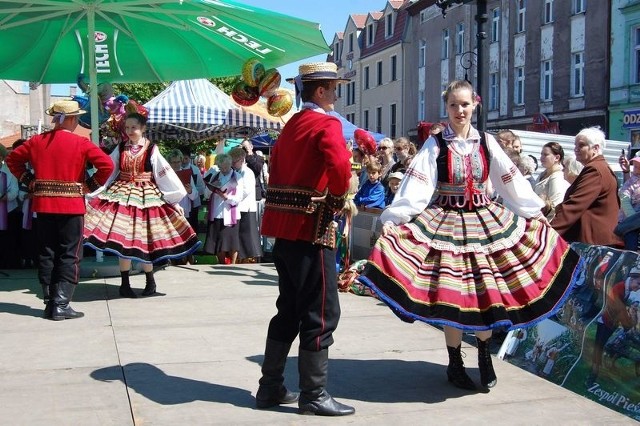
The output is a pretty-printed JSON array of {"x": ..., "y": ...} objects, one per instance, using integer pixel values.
[
  {"x": 371, "y": 193},
  {"x": 394, "y": 184},
  {"x": 629, "y": 217}
]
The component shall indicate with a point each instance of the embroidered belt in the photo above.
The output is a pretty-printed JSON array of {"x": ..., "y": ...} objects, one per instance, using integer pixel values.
[
  {"x": 135, "y": 177},
  {"x": 461, "y": 196},
  {"x": 57, "y": 188},
  {"x": 298, "y": 201}
]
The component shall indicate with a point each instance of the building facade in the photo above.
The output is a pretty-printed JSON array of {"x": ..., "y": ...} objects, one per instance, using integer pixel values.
[
  {"x": 624, "y": 98},
  {"x": 546, "y": 67},
  {"x": 371, "y": 52}
]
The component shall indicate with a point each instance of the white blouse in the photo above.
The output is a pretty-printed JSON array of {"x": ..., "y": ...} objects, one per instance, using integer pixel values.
[{"x": 418, "y": 186}]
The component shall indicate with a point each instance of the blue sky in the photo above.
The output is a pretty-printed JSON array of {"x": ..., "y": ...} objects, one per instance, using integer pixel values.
[{"x": 332, "y": 16}]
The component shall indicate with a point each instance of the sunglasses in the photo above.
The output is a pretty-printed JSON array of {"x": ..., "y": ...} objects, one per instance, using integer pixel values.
[{"x": 383, "y": 148}]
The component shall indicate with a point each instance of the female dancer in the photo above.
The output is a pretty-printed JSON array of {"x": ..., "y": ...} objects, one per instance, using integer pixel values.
[
  {"x": 138, "y": 216},
  {"x": 448, "y": 255}
]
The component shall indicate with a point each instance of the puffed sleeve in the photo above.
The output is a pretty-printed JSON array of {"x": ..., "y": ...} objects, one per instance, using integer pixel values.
[
  {"x": 516, "y": 192},
  {"x": 167, "y": 180},
  {"x": 416, "y": 188}
]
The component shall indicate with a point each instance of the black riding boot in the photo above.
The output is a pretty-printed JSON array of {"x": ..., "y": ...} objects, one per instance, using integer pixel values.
[
  {"x": 455, "y": 370},
  {"x": 125, "y": 286},
  {"x": 271, "y": 391},
  {"x": 46, "y": 298},
  {"x": 314, "y": 399},
  {"x": 150, "y": 287},
  {"x": 61, "y": 309},
  {"x": 488, "y": 377}
]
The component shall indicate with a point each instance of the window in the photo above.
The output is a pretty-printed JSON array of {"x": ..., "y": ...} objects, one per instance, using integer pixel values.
[
  {"x": 366, "y": 77},
  {"x": 351, "y": 118},
  {"x": 379, "y": 76},
  {"x": 577, "y": 74},
  {"x": 423, "y": 16},
  {"x": 370, "y": 34},
  {"x": 579, "y": 6},
  {"x": 635, "y": 58},
  {"x": 521, "y": 16},
  {"x": 421, "y": 111},
  {"x": 445, "y": 44},
  {"x": 443, "y": 106},
  {"x": 494, "y": 91},
  {"x": 340, "y": 90},
  {"x": 422, "y": 54},
  {"x": 518, "y": 92},
  {"x": 351, "y": 42},
  {"x": 388, "y": 24},
  {"x": 548, "y": 11},
  {"x": 495, "y": 25},
  {"x": 379, "y": 120},
  {"x": 353, "y": 92},
  {"x": 336, "y": 51},
  {"x": 546, "y": 82},
  {"x": 365, "y": 119},
  {"x": 394, "y": 68},
  {"x": 392, "y": 121},
  {"x": 459, "y": 38}
]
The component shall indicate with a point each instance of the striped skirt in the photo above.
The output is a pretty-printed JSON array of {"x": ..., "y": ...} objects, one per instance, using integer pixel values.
[
  {"x": 474, "y": 270},
  {"x": 132, "y": 220}
]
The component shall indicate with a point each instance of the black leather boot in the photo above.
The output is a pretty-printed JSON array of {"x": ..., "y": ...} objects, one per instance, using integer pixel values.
[
  {"x": 455, "y": 370},
  {"x": 272, "y": 391},
  {"x": 125, "y": 286},
  {"x": 61, "y": 309},
  {"x": 150, "y": 287},
  {"x": 314, "y": 399},
  {"x": 488, "y": 377},
  {"x": 48, "y": 303}
]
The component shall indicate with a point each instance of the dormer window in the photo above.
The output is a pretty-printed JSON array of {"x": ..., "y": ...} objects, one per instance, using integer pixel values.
[
  {"x": 350, "y": 42},
  {"x": 370, "y": 34},
  {"x": 388, "y": 24}
]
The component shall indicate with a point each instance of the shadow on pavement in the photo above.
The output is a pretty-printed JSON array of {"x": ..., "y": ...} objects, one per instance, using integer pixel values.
[
  {"x": 383, "y": 380},
  {"x": 16, "y": 309},
  {"x": 152, "y": 383}
]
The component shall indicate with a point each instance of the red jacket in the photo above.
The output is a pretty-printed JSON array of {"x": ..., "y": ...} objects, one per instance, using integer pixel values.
[
  {"x": 311, "y": 153},
  {"x": 59, "y": 156}
]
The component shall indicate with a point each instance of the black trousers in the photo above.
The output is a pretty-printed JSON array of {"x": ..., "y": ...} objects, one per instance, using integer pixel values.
[
  {"x": 10, "y": 241},
  {"x": 59, "y": 247},
  {"x": 308, "y": 303}
]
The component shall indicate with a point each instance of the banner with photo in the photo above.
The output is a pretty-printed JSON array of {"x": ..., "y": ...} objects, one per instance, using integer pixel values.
[{"x": 592, "y": 345}]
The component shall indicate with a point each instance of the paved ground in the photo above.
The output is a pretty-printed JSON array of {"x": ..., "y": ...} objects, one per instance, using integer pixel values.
[{"x": 192, "y": 357}]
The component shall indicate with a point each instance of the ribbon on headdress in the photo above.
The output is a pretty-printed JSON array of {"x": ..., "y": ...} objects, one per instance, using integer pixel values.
[
  {"x": 298, "y": 82},
  {"x": 59, "y": 117}
]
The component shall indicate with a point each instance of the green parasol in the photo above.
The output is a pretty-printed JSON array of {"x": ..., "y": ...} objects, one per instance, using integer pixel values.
[{"x": 47, "y": 41}]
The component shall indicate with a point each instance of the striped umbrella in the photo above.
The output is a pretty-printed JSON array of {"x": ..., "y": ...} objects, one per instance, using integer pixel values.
[{"x": 189, "y": 111}]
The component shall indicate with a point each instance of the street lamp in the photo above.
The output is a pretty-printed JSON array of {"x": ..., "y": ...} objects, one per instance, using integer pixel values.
[{"x": 467, "y": 60}]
